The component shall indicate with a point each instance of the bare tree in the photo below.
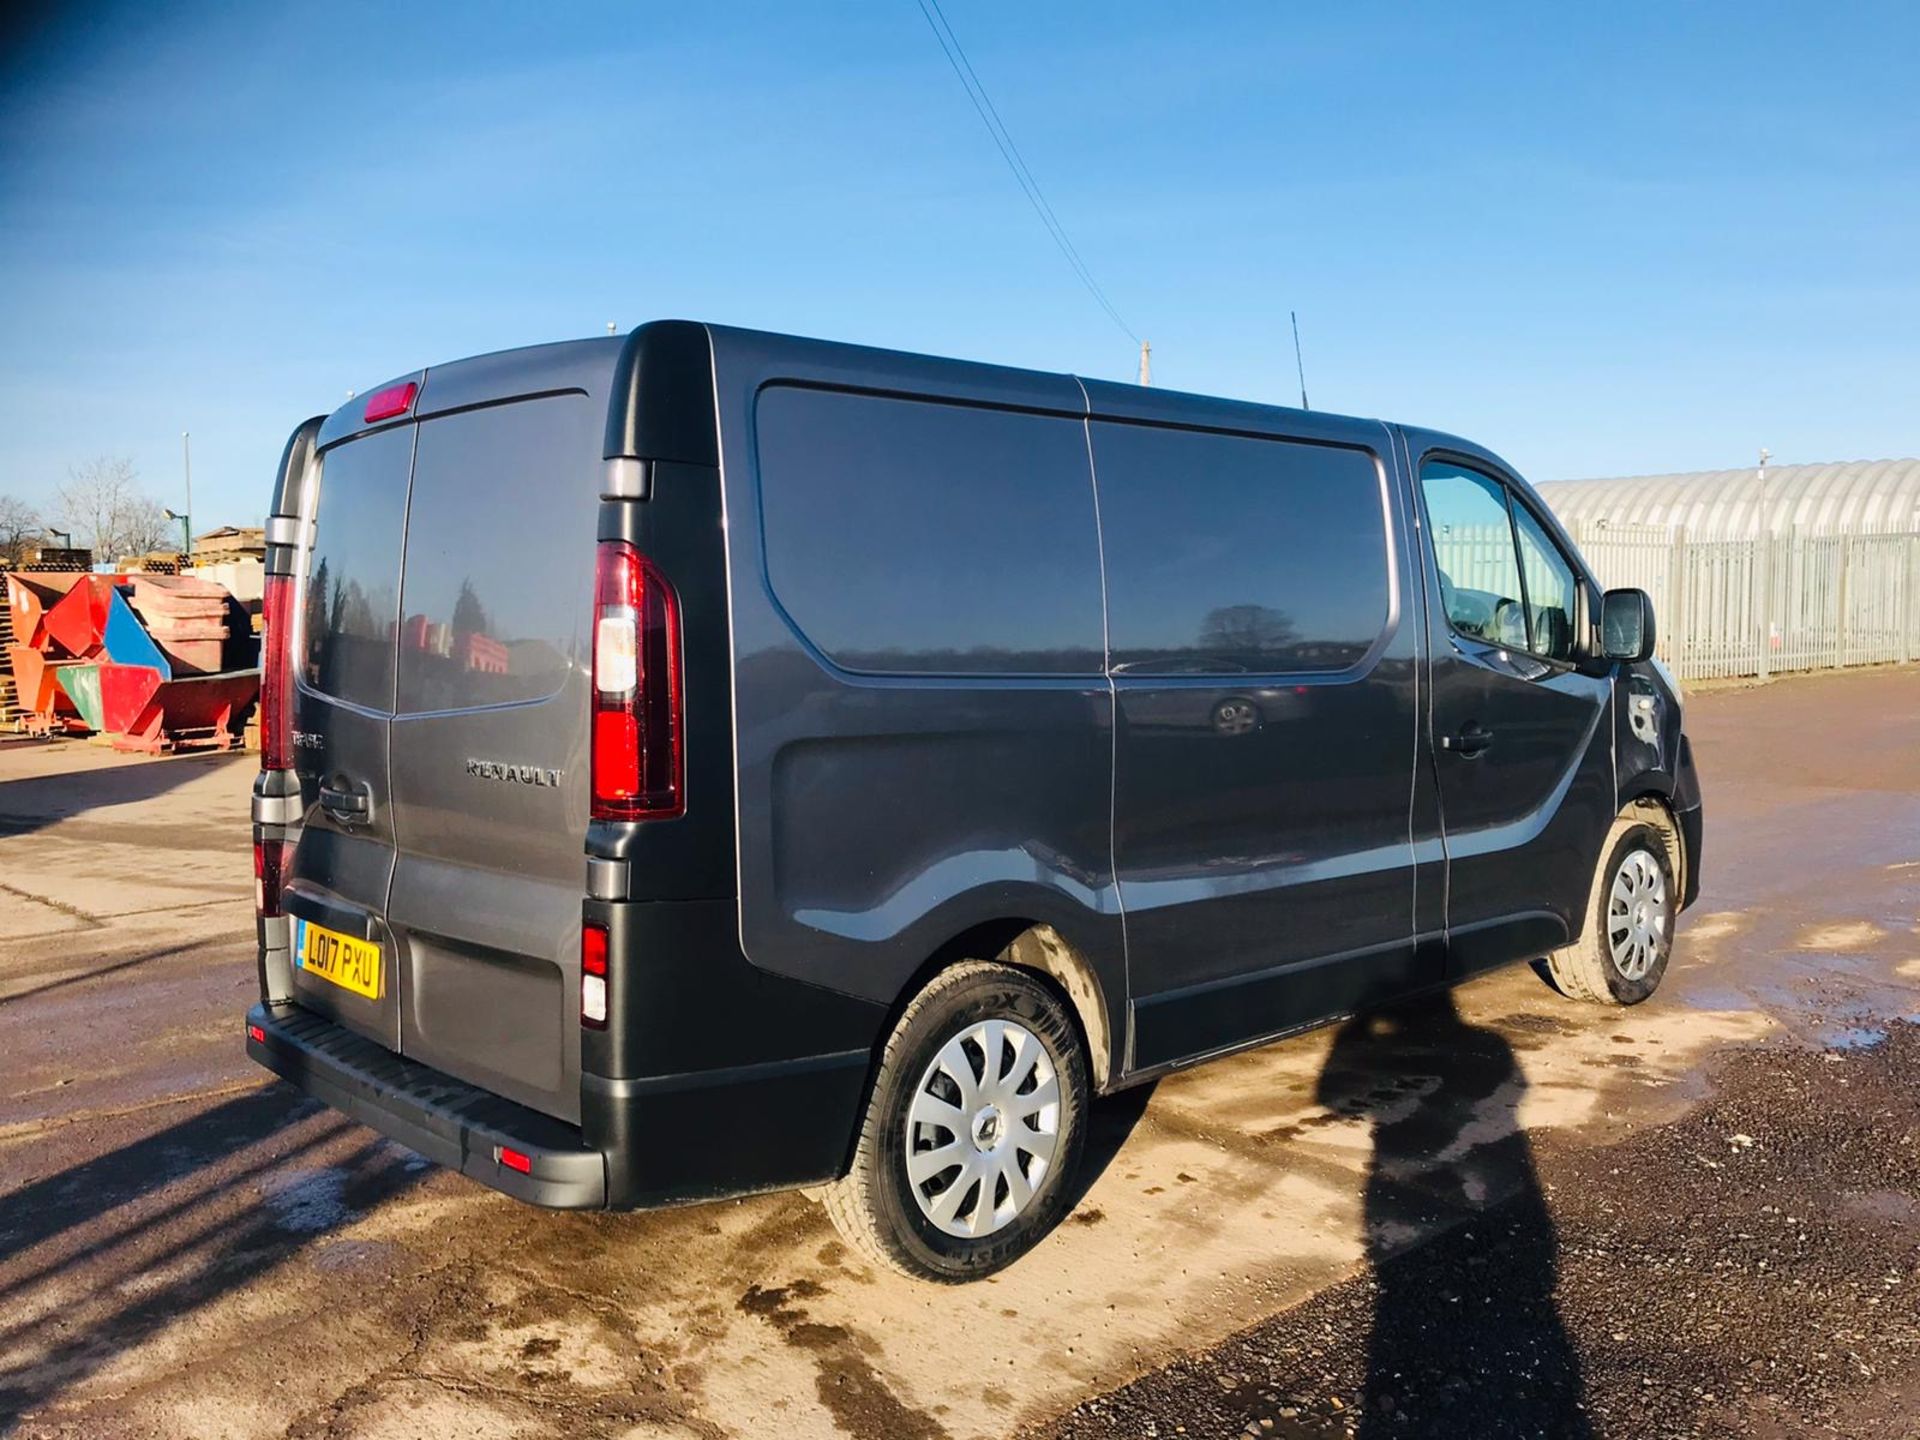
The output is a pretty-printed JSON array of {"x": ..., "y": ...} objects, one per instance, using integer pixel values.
[
  {"x": 19, "y": 528},
  {"x": 103, "y": 506}
]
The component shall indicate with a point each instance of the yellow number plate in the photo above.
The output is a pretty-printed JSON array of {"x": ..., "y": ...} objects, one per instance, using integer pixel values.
[{"x": 349, "y": 963}]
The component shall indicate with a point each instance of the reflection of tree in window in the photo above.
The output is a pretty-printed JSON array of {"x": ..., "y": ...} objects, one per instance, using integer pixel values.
[
  {"x": 353, "y": 612},
  {"x": 316, "y": 620},
  {"x": 469, "y": 615},
  {"x": 1255, "y": 631}
]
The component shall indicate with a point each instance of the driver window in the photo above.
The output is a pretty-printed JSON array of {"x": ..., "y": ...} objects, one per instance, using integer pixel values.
[
  {"x": 1549, "y": 588},
  {"x": 1473, "y": 548}
]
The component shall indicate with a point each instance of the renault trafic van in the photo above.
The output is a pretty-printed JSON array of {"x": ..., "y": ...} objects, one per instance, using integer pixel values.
[{"x": 707, "y": 762}]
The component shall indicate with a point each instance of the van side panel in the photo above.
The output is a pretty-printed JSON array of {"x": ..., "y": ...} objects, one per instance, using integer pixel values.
[{"x": 923, "y": 736}]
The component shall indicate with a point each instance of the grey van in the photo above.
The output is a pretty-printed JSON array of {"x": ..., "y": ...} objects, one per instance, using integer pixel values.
[{"x": 708, "y": 762}]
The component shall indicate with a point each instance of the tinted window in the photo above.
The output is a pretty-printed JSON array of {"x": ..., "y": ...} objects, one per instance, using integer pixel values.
[
  {"x": 1549, "y": 588},
  {"x": 1473, "y": 547},
  {"x": 915, "y": 537},
  {"x": 1228, "y": 555},
  {"x": 500, "y": 551},
  {"x": 353, "y": 577}
]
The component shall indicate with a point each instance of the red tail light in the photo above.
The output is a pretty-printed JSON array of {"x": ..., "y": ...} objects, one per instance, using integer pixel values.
[
  {"x": 637, "y": 695},
  {"x": 269, "y": 875},
  {"x": 593, "y": 976},
  {"x": 276, "y": 673},
  {"x": 513, "y": 1159}
]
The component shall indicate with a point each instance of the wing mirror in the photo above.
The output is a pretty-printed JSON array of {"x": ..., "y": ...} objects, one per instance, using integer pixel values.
[{"x": 1626, "y": 625}]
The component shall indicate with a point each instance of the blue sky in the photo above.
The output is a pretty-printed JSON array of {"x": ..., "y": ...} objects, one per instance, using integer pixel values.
[{"x": 1631, "y": 238}]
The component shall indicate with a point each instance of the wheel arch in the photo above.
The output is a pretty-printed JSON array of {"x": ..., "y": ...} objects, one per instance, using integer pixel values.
[
  {"x": 1655, "y": 809},
  {"x": 1041, "y": 950}
]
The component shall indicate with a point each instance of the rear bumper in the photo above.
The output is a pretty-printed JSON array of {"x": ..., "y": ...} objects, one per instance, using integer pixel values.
[
  {"x": 660, "y": 1140},
  {"x": 450, "y": 1122}
]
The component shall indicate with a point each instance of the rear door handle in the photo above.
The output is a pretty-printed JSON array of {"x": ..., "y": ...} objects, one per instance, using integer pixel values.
[
  {"x": 1469, "y": 742},
  {"x": 355, "y": 803}
]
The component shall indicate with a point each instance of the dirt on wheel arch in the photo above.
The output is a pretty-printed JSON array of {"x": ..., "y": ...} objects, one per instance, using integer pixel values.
[{"x": 1752, "y": 1269}]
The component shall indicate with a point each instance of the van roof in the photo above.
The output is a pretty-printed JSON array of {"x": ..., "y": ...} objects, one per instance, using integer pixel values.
[{"x": 664, "y": 346}]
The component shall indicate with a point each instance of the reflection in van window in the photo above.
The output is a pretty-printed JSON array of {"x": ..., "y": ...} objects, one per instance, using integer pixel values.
[
  {"x": 913, "y": 537},
  {"x": 1549, "y": 588},
  {"x": 500, "y": 553},
  {"x": 1230, "y": 555},
  {"x": 1473, "y": 549},
  {"x": 354, "y": 572}
]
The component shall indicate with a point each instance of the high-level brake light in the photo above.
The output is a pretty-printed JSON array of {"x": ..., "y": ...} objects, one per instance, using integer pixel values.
[
  {"x": 638, "y": 700},
  {"x": 392, "y": 401}
]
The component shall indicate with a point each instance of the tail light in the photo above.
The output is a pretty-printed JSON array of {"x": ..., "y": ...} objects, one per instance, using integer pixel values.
[
  {"x": 276, "y": 673},
  {"x": 269, "y": 875},
  {"x": 593, "y": 976},
  {"x": 637, "y": 697}
]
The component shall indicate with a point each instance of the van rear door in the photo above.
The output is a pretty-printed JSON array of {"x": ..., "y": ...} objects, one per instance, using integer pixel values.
[
  {"x": 342, "y": 713},
  {"x": 490, "y": 731}
]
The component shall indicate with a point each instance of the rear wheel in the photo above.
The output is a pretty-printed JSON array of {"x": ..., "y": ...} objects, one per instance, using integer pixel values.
[
  {"x": 974, "y": 1129},
  {"x": 1622, "y": 954}
]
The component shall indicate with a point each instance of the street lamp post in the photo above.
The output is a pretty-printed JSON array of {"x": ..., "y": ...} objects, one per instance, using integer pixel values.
[{"x": 186, "y": 520}]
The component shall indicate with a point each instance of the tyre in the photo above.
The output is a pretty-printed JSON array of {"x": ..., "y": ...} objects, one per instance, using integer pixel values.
[
  {"x": 974, "y": 1130},
  {"x": 1622, "y": 954}
]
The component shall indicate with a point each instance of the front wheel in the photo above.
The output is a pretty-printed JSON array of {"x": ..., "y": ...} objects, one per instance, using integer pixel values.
[
  {"x": 972, "y": 1136},
  {"x": 1622, "y": 955}
]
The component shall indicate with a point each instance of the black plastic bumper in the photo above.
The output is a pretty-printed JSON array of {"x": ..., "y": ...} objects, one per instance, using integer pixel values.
[{"x": 450, "y": 1122}]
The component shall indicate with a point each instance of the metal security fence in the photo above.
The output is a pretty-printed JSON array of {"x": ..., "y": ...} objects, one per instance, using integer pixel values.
[{"x": 1769, "y": 604}]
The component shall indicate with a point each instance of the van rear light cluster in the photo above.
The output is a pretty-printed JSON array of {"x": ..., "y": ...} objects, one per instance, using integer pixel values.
[
  {"x": 276, "y": 673},
  {"x": 269, "y": 875},
  {"x": 638, "y": 715},
  {"x": 593, "y": 976}
]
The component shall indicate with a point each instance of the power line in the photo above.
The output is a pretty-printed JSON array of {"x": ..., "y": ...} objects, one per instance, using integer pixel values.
[{"x": 1003, "y": 142}]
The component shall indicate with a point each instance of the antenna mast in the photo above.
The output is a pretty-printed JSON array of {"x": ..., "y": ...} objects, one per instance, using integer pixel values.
[{"x": 1299, "y": 364}]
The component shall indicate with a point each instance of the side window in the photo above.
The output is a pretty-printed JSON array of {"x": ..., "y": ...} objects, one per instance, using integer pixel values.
[
  {"x": 1550, "y": 589},
  {"x": 1228, "y": 555},
  {"x": 912, "y": 537},
  {"x": 1473, "y": 549}
]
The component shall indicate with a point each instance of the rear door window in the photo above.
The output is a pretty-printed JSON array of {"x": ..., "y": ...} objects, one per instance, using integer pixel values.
[
  {"x": 353, "y": 577},
  {"x": 500, "y": 542},
  {"x": 913, "y": 537},
  {"x": 1235, "y": 555}
]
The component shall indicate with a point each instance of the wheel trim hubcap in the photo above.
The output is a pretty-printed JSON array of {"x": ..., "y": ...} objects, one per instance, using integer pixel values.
[
  {"x": 1637, "y": 916},
  {"x": 983, "y": 1128}
]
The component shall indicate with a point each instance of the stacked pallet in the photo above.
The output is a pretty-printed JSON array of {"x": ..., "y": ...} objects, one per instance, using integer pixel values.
[{"x": 9, "y": 692}]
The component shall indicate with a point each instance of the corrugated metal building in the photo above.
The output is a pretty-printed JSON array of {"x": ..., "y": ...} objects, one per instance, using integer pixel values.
[{"x": 1851, "y": 497}]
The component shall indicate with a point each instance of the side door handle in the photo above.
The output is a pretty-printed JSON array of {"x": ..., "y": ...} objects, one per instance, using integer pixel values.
[
  {"x": 1471, "y": 741},
  {"x": 350, "y": 804}
]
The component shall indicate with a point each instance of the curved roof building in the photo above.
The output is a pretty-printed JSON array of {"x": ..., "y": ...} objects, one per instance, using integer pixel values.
[{"x": 1849, "y": 496}]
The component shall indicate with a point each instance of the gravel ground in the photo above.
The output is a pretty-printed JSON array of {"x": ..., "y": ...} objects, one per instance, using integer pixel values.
[{"x": 1752, "y": 1269}]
